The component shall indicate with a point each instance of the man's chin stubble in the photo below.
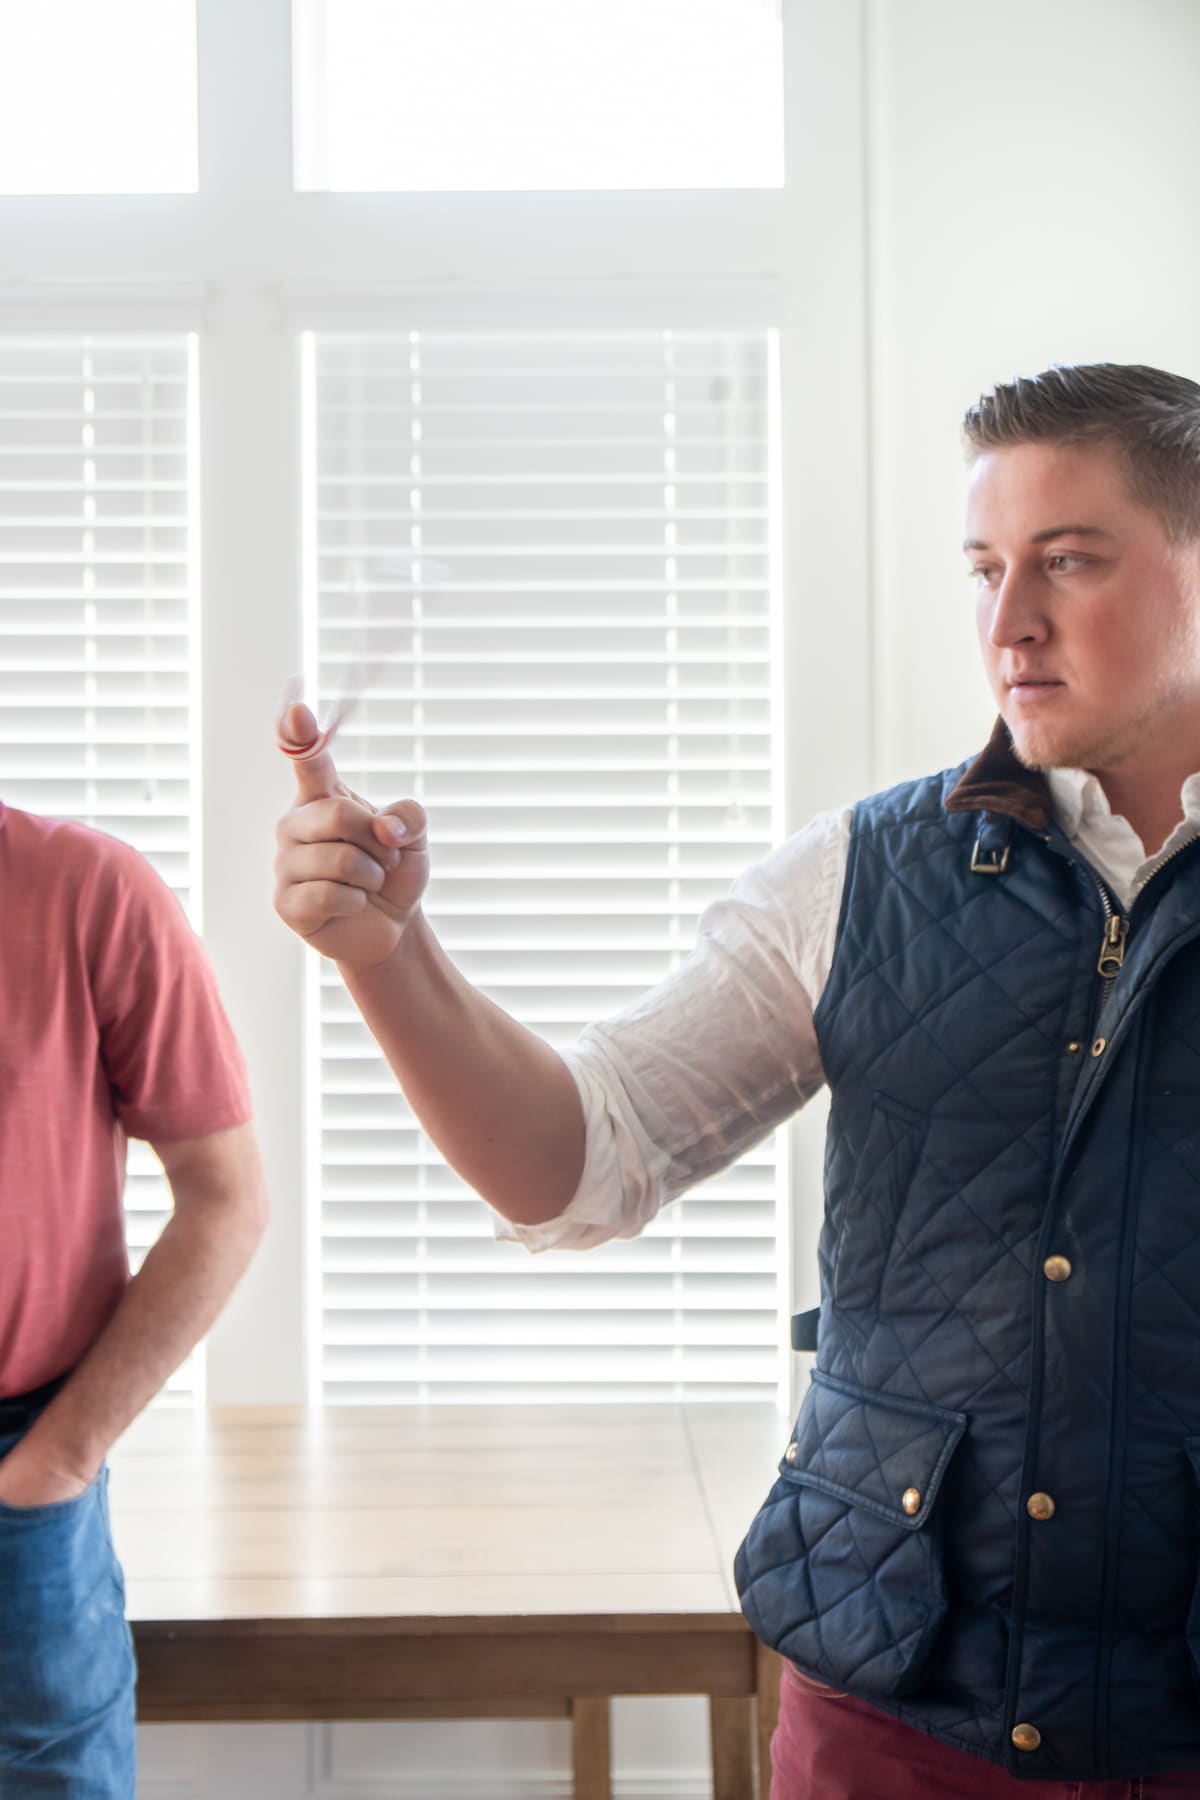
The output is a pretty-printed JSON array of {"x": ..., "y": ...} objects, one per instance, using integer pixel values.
[{"x": 1045, "y": 750}]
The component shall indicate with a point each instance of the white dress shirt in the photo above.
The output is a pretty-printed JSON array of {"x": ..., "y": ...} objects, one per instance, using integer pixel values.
[{"x": 695, "y": 1072}]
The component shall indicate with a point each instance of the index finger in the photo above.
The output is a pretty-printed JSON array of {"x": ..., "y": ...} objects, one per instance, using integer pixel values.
[{"x": 301, "y": 739}]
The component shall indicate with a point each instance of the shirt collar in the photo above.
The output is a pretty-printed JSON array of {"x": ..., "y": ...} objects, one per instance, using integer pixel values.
[
  {"x": 1189, "y": 795},
  {"x": 1080, "y": 800},
  {"x": 1077, "y": 796}
]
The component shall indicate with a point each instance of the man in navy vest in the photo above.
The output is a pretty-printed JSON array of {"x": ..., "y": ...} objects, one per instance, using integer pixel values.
[{"x": 980, "y": 1555}]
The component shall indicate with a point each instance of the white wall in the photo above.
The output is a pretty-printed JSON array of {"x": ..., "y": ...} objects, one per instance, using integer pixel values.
[{"x": 1033, "y": 199}]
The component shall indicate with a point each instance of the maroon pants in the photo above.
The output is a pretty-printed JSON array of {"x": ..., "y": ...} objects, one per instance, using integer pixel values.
[{"x": 831, "y": 1747}]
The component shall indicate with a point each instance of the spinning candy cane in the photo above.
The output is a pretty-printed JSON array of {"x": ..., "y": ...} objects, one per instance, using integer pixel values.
[
  {"x": 367, "y": 662},
  {"x": 304, "y": 752}
]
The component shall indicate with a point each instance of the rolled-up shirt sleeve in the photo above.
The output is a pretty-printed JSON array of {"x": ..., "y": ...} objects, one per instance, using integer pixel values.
[{"x": 698, "y": 1070}]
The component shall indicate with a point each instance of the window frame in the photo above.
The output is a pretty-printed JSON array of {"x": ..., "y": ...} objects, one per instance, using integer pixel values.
[{"x": 244, "y": 263}]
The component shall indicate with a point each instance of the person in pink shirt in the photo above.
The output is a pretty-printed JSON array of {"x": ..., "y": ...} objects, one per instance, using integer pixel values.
[{"x": 110, "y": 1027}]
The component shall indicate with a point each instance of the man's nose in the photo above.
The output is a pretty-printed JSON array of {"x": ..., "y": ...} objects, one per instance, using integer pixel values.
[{"x": 1018, "y": 616}]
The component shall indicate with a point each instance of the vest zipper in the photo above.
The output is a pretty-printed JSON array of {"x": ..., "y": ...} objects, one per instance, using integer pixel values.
[
  {"x": 1169, "y": 857},
  {"x": 1112, "y": 945},
  {"x": 1116, "y": 925}
]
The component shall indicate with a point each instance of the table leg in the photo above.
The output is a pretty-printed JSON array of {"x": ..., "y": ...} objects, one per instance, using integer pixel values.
[
  {"x": 766, "y": 1681},
  {"x": 590, "y": 1749},
  {"x": 731, "y": 1734}
]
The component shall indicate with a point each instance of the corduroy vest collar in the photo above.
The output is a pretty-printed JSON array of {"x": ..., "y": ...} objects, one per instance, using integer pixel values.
[{"x": 997, "y": 782}]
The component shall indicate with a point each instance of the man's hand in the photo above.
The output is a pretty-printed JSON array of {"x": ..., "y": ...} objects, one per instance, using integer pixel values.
[
  {"x": 348, "y": 878},
  {"x": 28, "y": 1477}
]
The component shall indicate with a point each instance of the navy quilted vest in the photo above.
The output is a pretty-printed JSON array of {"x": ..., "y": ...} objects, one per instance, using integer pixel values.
[{"x": 986, "y": 1520}]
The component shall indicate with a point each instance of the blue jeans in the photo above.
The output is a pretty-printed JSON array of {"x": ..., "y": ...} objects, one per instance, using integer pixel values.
[{"x": 66, "y": 1655}]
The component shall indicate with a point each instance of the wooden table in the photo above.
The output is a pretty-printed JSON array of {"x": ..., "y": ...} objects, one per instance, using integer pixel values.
[{"x": 449, "y": 1562}]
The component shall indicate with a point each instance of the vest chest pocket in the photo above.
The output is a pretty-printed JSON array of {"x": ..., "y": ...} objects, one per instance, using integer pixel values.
[
  {"x": 882, "y": 1175},
  {"x": 842, "y": 1570}
]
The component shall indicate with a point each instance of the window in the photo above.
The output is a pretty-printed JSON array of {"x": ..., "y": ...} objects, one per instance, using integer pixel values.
[
  {"x": 471, "y": 94},
  {"x": 515, "y": 274},
  {"x": 554, "y": 550},
  {"x": 97, "y": 99},
  {"x": 95, "y": 613}
]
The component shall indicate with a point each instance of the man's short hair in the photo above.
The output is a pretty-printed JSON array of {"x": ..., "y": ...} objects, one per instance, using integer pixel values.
[{"x": 1151, "y": 418}]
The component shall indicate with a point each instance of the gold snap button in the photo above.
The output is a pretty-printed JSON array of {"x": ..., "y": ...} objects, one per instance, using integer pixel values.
[
  {"x": 1040, "y": 1506},
  {"x": 791, "y": 1453},
  {"x": 1074, "y": 1047},
  {"x": 1057, "y": 1268},
  {"x": 1026, "y": 1737},
  {"x": 910, "y": 1500},
  {"x": 1100, "y": 1046}
]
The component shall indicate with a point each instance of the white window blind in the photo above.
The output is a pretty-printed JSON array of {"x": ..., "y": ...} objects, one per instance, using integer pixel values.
[
  {"x": 556, "y": 551},
  {"x": 95, "y": 614}
]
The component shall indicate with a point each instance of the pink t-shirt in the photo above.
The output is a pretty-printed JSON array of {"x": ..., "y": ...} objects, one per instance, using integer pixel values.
[{"x": 110, "y": 1026}]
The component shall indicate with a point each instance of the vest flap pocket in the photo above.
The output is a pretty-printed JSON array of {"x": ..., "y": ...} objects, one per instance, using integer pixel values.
[
  {"x": 876, "y": 1451},
  {"x": 842, "y": 1569}
]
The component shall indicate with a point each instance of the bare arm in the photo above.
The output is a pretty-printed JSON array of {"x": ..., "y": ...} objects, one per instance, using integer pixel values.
[
  {"x": 219, "y": 1216},
  {"x": 497, "y": 1101}
]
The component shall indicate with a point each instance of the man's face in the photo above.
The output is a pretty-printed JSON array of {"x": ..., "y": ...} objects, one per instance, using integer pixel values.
[{"x": 1088, "y": 615}]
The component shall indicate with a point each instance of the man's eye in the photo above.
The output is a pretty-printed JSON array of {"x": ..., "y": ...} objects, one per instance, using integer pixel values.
[
  {"x": 983, "y": 574},
  {"x": 1061, "y": 563}
]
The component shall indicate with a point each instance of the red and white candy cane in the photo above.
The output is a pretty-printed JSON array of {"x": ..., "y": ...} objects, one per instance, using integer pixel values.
[
  {"x": 325, "y": 735},
  {"x": 375, "y": 647}
]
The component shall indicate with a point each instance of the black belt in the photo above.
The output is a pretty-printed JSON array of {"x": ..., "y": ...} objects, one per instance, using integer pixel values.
[{"x": 17, "y": 1410}]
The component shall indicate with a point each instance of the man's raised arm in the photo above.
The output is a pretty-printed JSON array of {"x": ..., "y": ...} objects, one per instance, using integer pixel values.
[{"x": 499, "y": 1103}]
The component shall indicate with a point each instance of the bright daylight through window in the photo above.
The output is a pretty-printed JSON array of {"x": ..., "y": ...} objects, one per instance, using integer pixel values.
[
  {"x": 538, "y": 94},
  {"x": 98, "y": 97}
]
